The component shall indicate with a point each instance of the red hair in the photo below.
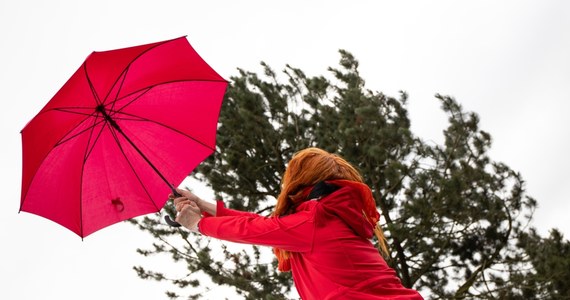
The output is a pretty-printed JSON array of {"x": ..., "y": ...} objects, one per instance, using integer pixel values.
[{"x": 307, "y": 168}]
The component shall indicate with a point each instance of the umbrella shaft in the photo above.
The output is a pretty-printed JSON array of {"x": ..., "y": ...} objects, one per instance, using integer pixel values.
[{"x": 113, "y": 123}]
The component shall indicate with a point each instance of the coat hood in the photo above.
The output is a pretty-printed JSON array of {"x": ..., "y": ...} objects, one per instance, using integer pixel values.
[{"x": 353, "y": 203}]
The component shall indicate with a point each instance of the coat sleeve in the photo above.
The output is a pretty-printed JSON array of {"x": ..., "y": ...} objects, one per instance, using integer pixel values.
[
  {"x": 223, "y": 211},
  {"x": 294, "y": 232}
]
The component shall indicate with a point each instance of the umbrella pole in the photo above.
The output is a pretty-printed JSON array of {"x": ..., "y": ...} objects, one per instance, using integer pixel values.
[{"x": 114, "y": 124}]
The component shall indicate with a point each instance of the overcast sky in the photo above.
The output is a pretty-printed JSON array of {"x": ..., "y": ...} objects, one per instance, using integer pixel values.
[{"x": 506, "y": 60}]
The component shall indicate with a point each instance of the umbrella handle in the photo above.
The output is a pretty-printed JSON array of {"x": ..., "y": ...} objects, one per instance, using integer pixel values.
[
  {"x": 167, "y": 218},
  {"x": 171, "y": 222}
]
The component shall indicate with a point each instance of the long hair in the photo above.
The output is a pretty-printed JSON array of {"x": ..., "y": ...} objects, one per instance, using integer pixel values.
[{"x": 307, "y": 168}]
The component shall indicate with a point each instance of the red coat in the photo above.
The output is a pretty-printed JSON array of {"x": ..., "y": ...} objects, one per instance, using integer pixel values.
[{"x": 332, "y": 256}]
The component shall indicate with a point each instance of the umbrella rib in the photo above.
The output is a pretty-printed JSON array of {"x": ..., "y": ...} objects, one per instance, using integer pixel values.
[
  {"x": 144, "y": 90},
  {"x": 167, "y": 82},
  {"x": 75, "y": 110},
  {"x": 67, "y": 138},
  {"x": 114, "y": 133},
  {"x": 123, "y": 73},
  {"x": 93, "y": 91},
  {"x": 64, "y": 137},
  {"x": 124, "y": 76},
  {"x": 88, "y": 150},
  {"x": 141, "y": 119}
]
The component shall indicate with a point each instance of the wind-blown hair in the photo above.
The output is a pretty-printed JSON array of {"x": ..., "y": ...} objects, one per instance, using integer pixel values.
[{"x": 307, "y": 168}]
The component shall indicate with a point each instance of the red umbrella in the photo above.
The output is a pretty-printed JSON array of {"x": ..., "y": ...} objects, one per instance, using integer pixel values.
[{"x": 112, "y": 141}]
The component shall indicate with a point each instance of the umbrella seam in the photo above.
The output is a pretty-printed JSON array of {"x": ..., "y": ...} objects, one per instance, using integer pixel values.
[
  {"x": 86, "y": 155},
  {"x": 66, "y": 139},
  {"x": 24, "y": 195},
  {"x": 169, "y": 127},
  {"x": 166, "y": 82},
  {"x": 91, "y": 86},
  {"x": 62, "y": 109},
  {"x": 114, "y": 133},
  {"x": 123, "y": 73}
]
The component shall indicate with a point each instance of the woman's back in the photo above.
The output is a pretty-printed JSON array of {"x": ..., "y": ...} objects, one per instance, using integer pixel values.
[{"x": 342, "y": 262}]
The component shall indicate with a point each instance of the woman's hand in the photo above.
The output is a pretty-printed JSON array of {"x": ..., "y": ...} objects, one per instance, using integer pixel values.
[
  {"x": 188, "y": 211},
  {"x": 188, "y": 214},
  {"x": 187, "y": 196},
  {"x": 190, "y": 208}
]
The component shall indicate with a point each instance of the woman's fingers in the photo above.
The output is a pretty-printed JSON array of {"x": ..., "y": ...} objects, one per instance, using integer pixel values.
[
  {"x": 188, "y": 217},
  {"x": 179, "y": 200},
  {"x": 184, "y": 193},
  {"x": 189, "y": 195},
  {"x": 186, "y": 205},
  {"x": 182, "y": 202}
]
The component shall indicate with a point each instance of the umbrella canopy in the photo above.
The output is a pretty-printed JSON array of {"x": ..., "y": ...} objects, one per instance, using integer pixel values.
[{"x": 115, "y": 138}]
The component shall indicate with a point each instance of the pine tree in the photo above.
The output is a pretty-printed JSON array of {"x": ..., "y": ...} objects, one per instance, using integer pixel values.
[{"x": 455, "y": 219}]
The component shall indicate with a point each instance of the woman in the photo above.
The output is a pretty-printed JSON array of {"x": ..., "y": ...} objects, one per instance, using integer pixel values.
[{"x": 321, "y": 228}]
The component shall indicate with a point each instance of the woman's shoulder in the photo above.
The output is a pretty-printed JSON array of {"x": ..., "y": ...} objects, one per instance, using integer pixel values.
[{"x": 309, "y": 205}]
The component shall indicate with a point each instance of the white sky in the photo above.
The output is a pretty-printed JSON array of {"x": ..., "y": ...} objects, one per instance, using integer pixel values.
[{"x": 506, "y": 60}]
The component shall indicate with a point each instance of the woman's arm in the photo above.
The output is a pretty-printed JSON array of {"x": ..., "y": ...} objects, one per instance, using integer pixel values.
[
  {"x": 203, "y": 205},
  {"x": 207, "y": 207},
  {"x": 293, "y": 232},
  {"x": 211, "y": 209}
]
